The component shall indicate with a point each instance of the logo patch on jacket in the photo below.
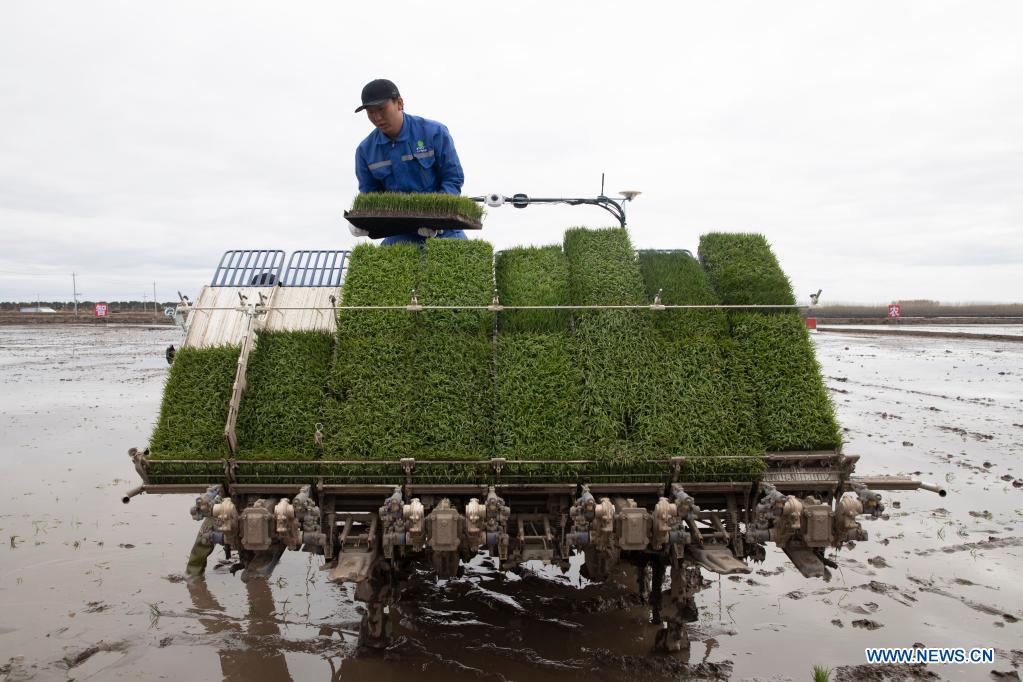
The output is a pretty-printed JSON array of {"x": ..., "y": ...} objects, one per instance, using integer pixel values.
[{"x": 420, "y": 146}]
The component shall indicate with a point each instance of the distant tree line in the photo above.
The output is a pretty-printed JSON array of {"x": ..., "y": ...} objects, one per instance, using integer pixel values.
[
  {"x": 921, "y": 308},
  {"x": 115, "y": 306}
]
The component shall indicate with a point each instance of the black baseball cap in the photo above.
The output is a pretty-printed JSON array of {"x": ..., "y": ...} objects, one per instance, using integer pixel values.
[{"x": 377, "y": 92}]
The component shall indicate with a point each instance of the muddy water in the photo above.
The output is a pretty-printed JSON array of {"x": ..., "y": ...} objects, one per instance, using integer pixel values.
[{"x": 91, "y": 589}]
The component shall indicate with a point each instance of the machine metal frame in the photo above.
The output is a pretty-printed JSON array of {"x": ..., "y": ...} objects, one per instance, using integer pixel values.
[{"x": 374, "y": 521}]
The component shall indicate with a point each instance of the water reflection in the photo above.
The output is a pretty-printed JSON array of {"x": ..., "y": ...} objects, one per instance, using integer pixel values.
[{"x": 247, "y": 663}]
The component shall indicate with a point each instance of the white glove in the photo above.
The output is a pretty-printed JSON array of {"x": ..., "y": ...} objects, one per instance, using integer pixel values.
[
  {"x": 357, "y": 231},
  {"x": 427, "y": 232}
]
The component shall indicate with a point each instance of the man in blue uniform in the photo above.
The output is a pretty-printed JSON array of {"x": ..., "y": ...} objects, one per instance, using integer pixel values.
[{"x": 405, "y": 154}]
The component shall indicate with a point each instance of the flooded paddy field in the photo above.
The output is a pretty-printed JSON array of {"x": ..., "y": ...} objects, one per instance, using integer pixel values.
[
  {"x": 977, "y": 329},
  {"x": 91, "y": 588}
]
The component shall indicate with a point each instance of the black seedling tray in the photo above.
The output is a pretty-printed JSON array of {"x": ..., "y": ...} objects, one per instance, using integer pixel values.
[{"x": 388, "y": 224}]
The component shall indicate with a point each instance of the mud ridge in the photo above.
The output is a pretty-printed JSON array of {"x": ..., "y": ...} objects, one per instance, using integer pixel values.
[
  {"x": 926, "y": 585},
  {"x": 990, "y": 543},
  {"x": 883, "y": 673}
]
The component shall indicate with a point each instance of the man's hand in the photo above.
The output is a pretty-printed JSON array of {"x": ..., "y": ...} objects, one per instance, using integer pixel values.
[
  {"x": 427, "y": 232},
  {"x": 357, "y": 231}
]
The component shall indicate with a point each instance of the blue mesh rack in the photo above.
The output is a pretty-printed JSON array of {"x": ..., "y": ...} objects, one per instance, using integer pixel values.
[
  {"x": 248, "y": 268},
  {"x": 316, "y": 268}
]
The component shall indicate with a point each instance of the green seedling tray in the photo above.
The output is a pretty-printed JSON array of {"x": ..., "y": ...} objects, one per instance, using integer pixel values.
[{"x": 381, "y": 224}]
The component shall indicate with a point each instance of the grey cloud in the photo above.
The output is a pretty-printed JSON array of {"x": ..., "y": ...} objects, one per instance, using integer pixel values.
[{"x": 876, "y": 144}]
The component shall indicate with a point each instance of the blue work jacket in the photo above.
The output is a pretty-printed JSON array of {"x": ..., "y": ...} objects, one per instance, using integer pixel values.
[{"x": 421, "y": 159}]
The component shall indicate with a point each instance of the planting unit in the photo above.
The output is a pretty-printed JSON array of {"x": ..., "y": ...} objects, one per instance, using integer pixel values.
[{"x": 399, "y": 406}]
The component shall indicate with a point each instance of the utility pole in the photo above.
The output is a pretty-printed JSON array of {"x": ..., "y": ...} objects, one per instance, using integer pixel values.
[
  {"x": 154, "y": 299},
  {"x": 74, "y": 291}
]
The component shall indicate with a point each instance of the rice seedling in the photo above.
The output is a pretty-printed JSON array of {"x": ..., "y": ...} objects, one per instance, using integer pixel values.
[
  {"x": 413, "y": 385},
  {"x": 279, "y": 411},
  {"x": 378, "y": 276},
  {"x": 773, "y": 349},
  {"x": 195, "y": 404},
  {"x": 370, "y": 384},
  {"x": 537, "y": 384},
  {"x": 457, "y": 272},
  {"x": 793, "y": 407},
  {"x": 680, "y": 280},
  {"x": 532, "y": 276},
  {"x": 743, "y": 269},
  {"x": 821, "y": 673},
  {"x": 453, "y": 404},
  {"x": 702, "y": 407},
  {"x": 403, "y": 204},
  {"x": 603, "y": 268},
  {"x": 618, "y": 386},
  {"x": 613, "y": 348}
]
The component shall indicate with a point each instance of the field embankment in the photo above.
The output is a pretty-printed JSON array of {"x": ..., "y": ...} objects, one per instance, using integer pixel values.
[
  {"x": 13, "y": 317},
  {"x": 921, "y": 312}
]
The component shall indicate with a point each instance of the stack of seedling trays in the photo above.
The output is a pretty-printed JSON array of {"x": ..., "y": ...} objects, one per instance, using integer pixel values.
[
  {"x": 192, "y": 417},
  {"x": 702, "y": 403},
  {"x": 280, "y": 409},
  {"x": 538, "y": 385},
  {"x": 385, "y": 214},
  {"x": 605, "y": 393},
  {"x": 772, "y": 346},
  {"x": 413, "y": 384}
]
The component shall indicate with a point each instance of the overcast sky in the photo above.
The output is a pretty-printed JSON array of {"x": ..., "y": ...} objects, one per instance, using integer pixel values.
[{"x": 877, "y": 145}]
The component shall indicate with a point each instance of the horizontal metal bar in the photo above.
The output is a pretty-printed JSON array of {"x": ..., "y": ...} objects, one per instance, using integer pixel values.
[
  {"x": 624, "y": 487},
  {"x": 357, "y": 489},
  {"x": 799, "y": 484},
  {"x": 265, "y": 487},
  {"x": 802, "y": 454},
  {"x": 358, "y": 516},
  {"x": 555, "y": 488},
  {"x": 178, "y": 488},
  {"x": 719, "y": 487},
  {"x": 699, "y": 488},
  {"x": 503, "y": 308},
  {"x": 316, "y": 463},
  {"x": 435, "y": 489}
]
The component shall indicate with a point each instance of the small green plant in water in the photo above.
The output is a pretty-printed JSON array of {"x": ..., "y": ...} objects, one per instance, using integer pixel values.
[
  {"x": 821, "y": 674},
  {"x": 154, "y": 614}
]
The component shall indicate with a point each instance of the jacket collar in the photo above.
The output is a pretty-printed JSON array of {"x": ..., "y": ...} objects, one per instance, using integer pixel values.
[{"x": 403, "y": 136}]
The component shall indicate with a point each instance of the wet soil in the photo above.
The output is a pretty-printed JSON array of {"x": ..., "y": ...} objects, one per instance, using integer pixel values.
[{"x": 92, "y": 589}]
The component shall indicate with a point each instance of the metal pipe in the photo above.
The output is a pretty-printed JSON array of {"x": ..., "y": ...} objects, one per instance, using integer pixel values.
[
  {"x": 893, "y": 483},
  {"x": 132, "y": 493},
  {"x": 934, "y": 488}
]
